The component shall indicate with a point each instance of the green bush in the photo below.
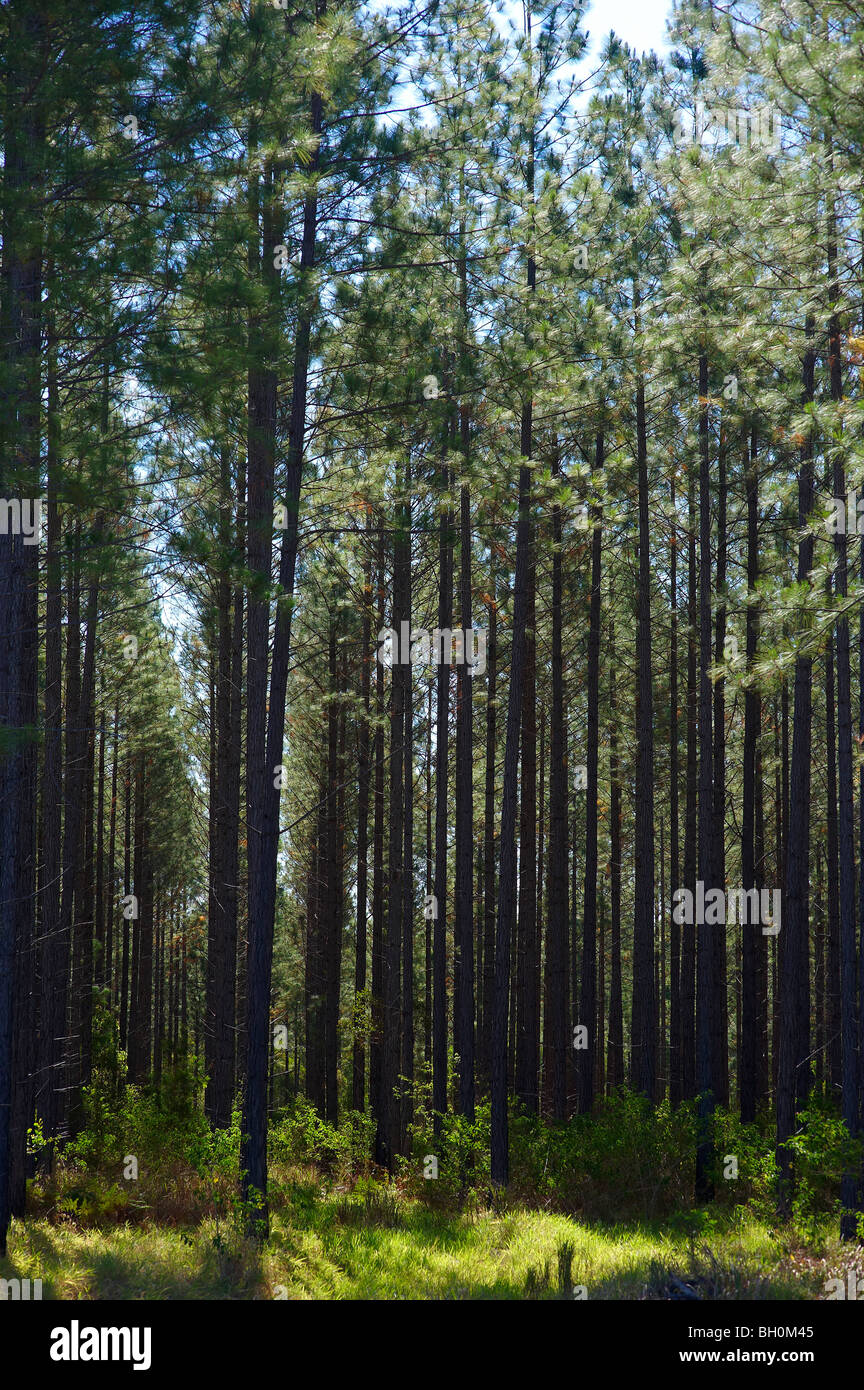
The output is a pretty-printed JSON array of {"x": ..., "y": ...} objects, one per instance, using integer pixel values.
[
  {"x": 823, "y": 1152},
  {"x": 302, "y": 1137},
  {"x": 628, "y": 1159},
  {"x": 460, "y": 1151}
]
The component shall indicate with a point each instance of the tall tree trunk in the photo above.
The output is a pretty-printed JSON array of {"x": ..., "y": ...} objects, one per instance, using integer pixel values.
[
  {"x": 751, "y": 1073},
  {"x": 52, "y": 1025},
  {"x": 77, "y": 918},
  {"x": 558, "y": 913},
  {"x": 675, "y": 1087},
  {"x": 222, "y": 970},
  {"x": 262, "y": 833},
  {"x": 316, "y": 913},
  {"x": 335, "y": 886},
  {"x": 463, "y": 909},
  {"x": 489, "y": 833},
  {"x": 358, "y": 1063},
  {"x": 387, "y": 1142},
  {"x": 793, "y": 989},
  {"x": 721, "y": 1021},
  {"x": 20, "y": 451},
  {"x": 585, "y": 1057},
  {"x": 127, "y": 889},
  {"x": 442, "y": 741},
  {"x": 527, "y": 978},
  {"x": 832, "y": 864},
  {"x": 141, "y": 1025},
  {"x": 406, "y": 1003},
  {"x": 500, "y": 1149},
  {"x": 615, "y": 1066},
  {"x": 643, "y": 1039},
  {"x": 100, "y": 960},
  {"x": 688, "y": 942},
  {"x": 377, "y": 863},
  {"x": 264, "y": 752},
  {"x": 707, "y": 1036}
]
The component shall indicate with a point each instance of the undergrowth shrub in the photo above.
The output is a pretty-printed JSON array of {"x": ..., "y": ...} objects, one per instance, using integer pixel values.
[
  {"x": 461, "y": 1157},
  {"x": 186, "y": 1171},
  {"x": 300, "y": 1136},
  {"x": 823, "y": 1151},
  {"x": 628, "y": 1160},
  {"x": 371, "y": 1204}
]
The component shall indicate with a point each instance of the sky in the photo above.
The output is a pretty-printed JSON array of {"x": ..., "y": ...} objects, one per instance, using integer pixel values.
[{"x": 641, "y": 23}]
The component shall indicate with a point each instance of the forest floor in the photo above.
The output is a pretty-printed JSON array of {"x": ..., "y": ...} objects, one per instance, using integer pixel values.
[{"x": 376, "y": 1243}]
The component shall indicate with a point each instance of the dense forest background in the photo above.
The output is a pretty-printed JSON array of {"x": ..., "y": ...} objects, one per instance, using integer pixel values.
[{"x": 330, "y": 328}]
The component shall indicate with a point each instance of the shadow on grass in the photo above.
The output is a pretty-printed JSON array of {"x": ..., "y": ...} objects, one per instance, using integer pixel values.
[{"x": 139, "y": 1263}]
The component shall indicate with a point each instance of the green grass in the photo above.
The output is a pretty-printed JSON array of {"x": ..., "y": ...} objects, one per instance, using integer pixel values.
[{"x": 382, "y": 1244}]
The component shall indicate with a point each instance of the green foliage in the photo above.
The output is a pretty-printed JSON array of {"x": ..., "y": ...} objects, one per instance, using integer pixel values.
[
  {"x": 372, "y": 1204},
  {"x": 628, "y": 1159},
  {"x": 752, "y": 1148},
  {"x": 461, "y": 1151},
  {"x": 823, "y": 1152},
  {"x": 302, "y": 1137},
  {"x": 185, "y": 1169}
]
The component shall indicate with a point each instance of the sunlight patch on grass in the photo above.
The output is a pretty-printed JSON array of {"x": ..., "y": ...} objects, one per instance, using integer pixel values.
[{"x": 337, "y": 1246}]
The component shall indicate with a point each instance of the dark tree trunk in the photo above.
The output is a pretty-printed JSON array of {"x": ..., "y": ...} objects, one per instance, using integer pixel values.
[
  {"x": 442, "y": 743},
  {"x": 675, "y": 1088},
  {"x": 751, "y": 1066},
  {"x": 643, "y": 1040},
  {"x": 721, "y": 1021},
  {"x": 377, "y": 865},
  {"x": 489, "y": 837},
  {"x": 222, "y": 969},
  {"x": 140, "y": 1023},
  {"x": 500, "y": 1149},
  {"x": 387, "y": 1142},
  {"x": 406, "y": 1003},
  {"x": 707, "y": 1036},
  {"x": 76, "y": 927},
  {"x": 333, "y": 916},
  {"x": 358, "y": 1064},
  {"x": 52, "y": 1025},
  {"x": 428, "y": 919},
  {"x": 262, "y": 823},
  {"x": 127, "y": 889},
  {"x": 688, "y": 939},
  {"x": 794, "y": 1039},
  {"x": 20, "y": 451},
  {"x": 316, "y": 909},
  {"x": 99, "y": 964},
  {"x": 111, "y": 877},
  {"x": 527, "y": 975},
  {"x": 832, "y": 864},
  {"x": 585, "y": 1057},
  {"x": 558, "y": 911},
  {"x": 264, "y": 750},
  {"x": 463, "y": 909},
  {"x": 615, "y": 1065},
  {"x": 782, "y": 837}
]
